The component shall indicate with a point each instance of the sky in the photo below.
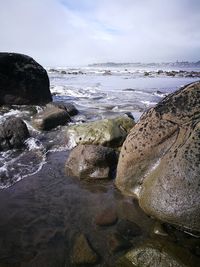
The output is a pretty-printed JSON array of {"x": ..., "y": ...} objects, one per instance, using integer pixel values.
[{"x": 80, "y": 32}]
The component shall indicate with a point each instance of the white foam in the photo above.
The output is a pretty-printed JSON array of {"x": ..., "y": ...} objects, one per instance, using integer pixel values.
[
  {"x": 160, "y": 94},
  {"x": 27, "y": 169},
  {"x": 11, "y": 112},
  {"x": 34, "y": 144},
  {"x": 149, "y": 103}
]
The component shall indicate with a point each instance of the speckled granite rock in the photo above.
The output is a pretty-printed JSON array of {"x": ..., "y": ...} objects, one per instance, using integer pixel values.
[
  {"x": 156, "y": 254},
  {"x": 92, "y": 162},
  {"x": 160, "y": 159}
]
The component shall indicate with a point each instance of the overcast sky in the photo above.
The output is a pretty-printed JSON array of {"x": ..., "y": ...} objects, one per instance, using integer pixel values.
[{"x": 74, "y": 32}]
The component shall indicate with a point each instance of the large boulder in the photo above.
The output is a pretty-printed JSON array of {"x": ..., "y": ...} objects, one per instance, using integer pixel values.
[
  {"x": 13, "y": 133},
  {"x": 160, "y": 161},
  {"x": 91, "y": 162},
  {"x": 50, "y": 118},
  {"x": 107, "y": 132},
  {"x": 22, "y": 80}
]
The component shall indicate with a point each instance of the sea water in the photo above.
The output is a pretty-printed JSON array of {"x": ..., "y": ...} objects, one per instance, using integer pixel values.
[{"x": 98, "y": 93}]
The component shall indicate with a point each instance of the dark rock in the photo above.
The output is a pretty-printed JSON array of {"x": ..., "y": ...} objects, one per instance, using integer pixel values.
[
  {"x": 107, "y": 217},
  {"x": 54, "y": 70},
  {"x": 70, "y": 108},
  {"x": 13, "y": 133},
  {"x": 22, "y": 81},
  {"x": 107, "y": 72},
  {"x": 128, "y": 229},
  {"x": 82, "y": 253},
  {"x": 170, "y": 73},
  {"x": 130, "y": 115},
  {"x": 63, "y": 72},
  {"x": 159, "y": 162},
  {"x": 160, "y": 71},
  {"x": 91, "y": 162},
  {"x": 117, "y": 243},
  {"x": 50, "y": 118}
]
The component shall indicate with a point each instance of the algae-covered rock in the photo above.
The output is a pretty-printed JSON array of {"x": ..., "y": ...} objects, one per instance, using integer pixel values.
[
  {"x": 155, "y": 254},
  {"x": 91, "y": 162},
  {"x": 107, "y": 132},
  {"x": 159, "y": 161}
]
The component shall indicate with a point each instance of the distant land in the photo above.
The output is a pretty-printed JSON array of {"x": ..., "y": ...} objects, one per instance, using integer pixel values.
[{"x": 182, "y": 64}]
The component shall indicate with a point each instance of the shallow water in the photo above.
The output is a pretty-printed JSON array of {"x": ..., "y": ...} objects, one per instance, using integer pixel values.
[{"x": 41, "y": 215}]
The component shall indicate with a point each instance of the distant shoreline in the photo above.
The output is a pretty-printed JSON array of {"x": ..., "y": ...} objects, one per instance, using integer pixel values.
[{"x": 153, "y": 64}]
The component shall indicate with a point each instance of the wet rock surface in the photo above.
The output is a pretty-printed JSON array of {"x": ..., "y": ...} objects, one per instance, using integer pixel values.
[
  {"x": 13, "y": 133},
  {"x": 159, "y": 161},
  {"x": 50, "y": 118},
  {"x": 92, "y": 162},
  {"x": 69, "y": 107},
  {"x": 22, "y": 80}
]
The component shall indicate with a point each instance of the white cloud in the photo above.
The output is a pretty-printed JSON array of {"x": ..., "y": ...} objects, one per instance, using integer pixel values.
[{"x": 67, "y": 32}]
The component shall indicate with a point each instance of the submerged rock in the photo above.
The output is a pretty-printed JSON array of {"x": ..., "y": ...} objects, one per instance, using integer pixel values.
[
  {"x": 117, "y": 243},
  {"x": 157, "y": 254},
  {"x": 82, "y": 253},
  {"x": 91, "y": 162},
  {"x": 22, "y": 81},
  {"x": 50, "y": 118},
  {"x": 107, "y": 132},
  {"x": 13, "y": 133},
  {"x": 107, "y": 217},
  {"x": 128, "y": 229},
  {"x": 160, "y": 162}
]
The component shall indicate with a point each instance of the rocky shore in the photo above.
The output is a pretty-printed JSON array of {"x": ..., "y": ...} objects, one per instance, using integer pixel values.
[
  {"x": 142, "y": 73},
  {"x": 70, "y": 213}
]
